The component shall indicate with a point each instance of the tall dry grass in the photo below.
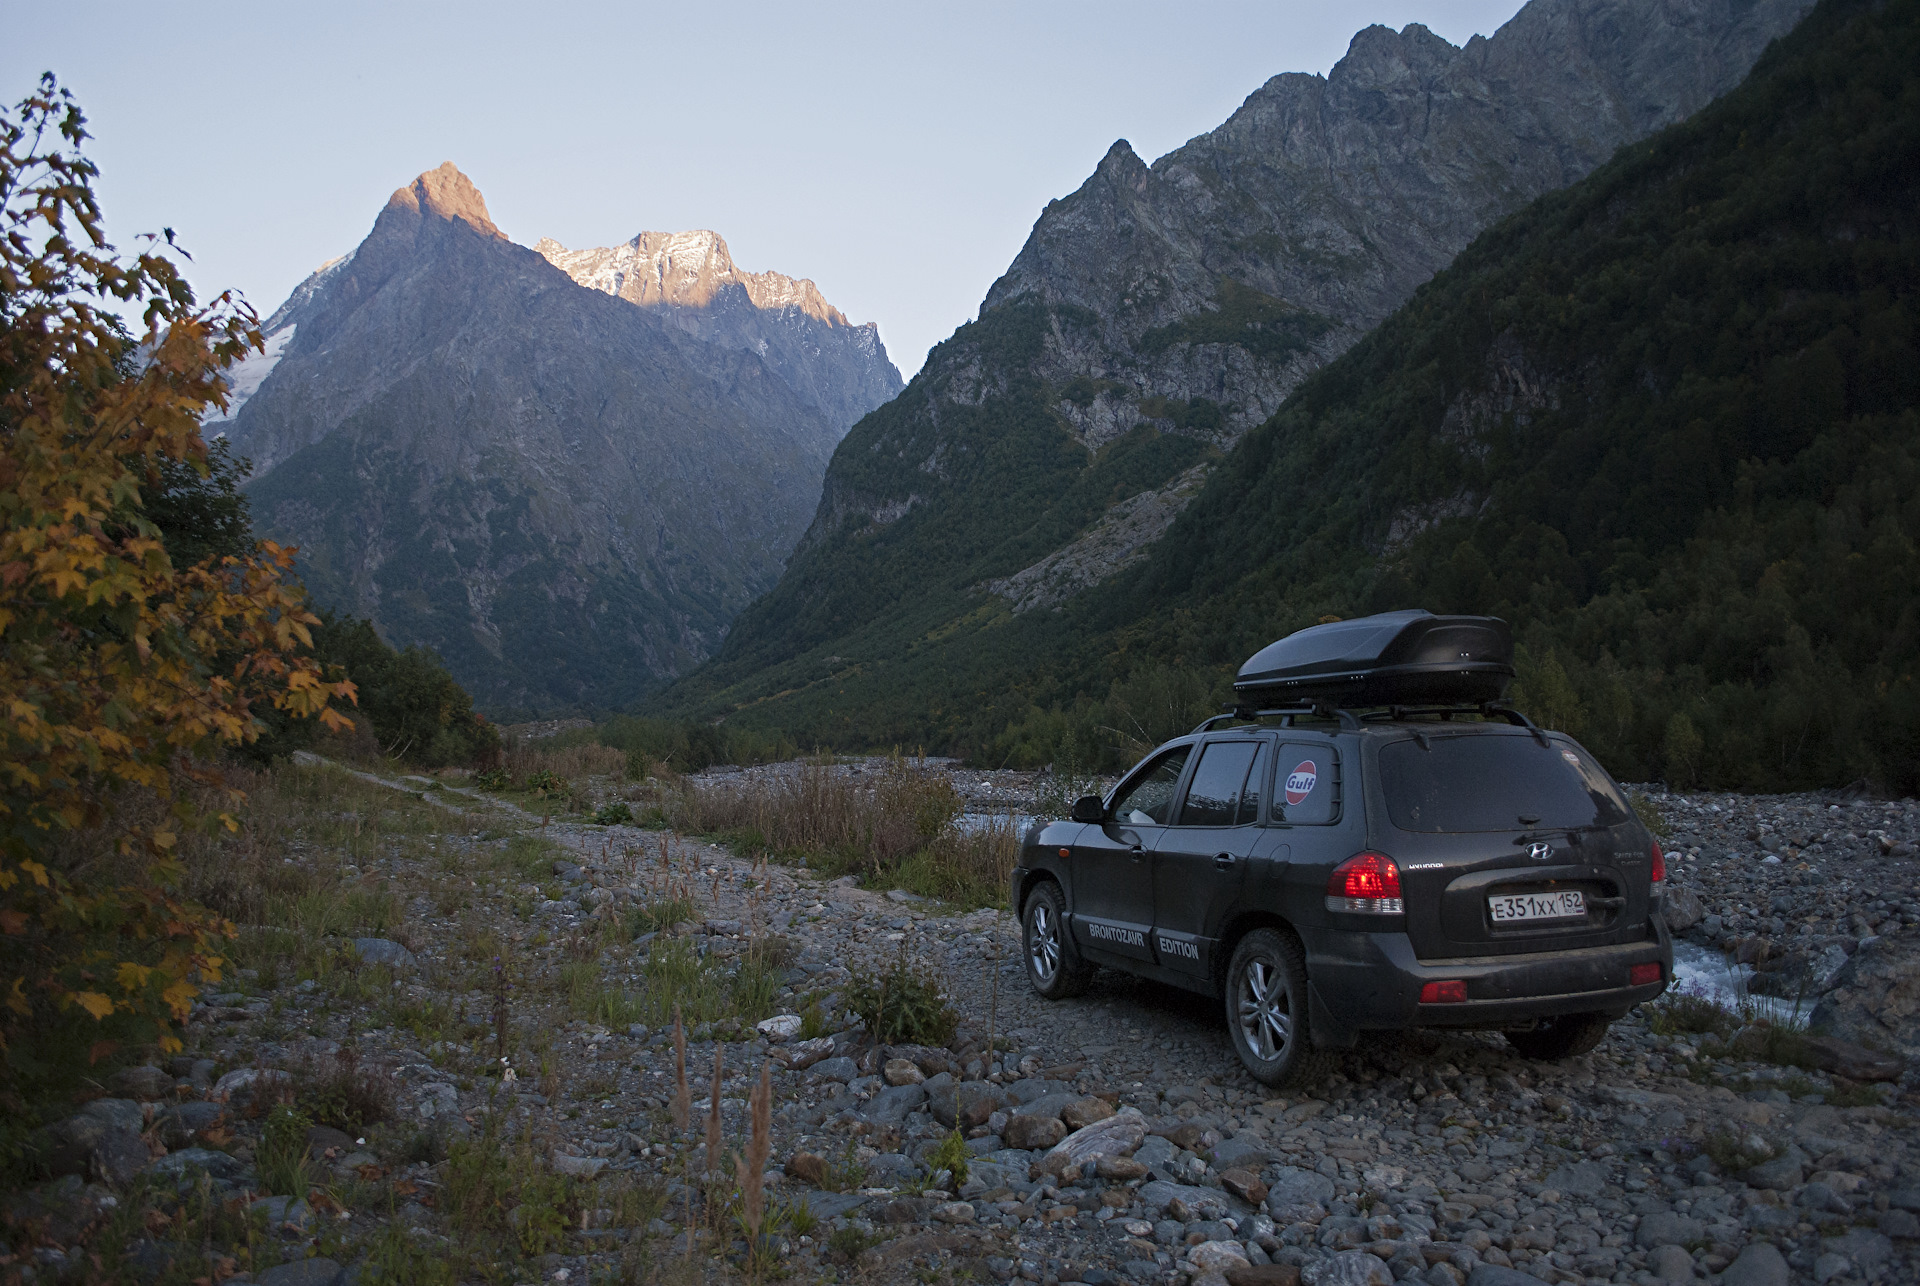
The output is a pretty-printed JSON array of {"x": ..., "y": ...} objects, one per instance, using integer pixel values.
[
  {"x": 895, "y": 826},
  {"x": 525, "y": 758}
]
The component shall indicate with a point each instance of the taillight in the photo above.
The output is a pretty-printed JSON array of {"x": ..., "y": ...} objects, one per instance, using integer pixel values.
[
  {"x": 1642, "y": 974},
  {"x": 1659, "y": 864},
  {"x": 1451, "y": 992},
  {"x": 1366, "y": 882}
]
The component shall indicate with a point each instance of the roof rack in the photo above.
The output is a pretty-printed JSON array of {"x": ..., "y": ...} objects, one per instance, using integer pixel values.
[{"x": 1356, "y": 720}]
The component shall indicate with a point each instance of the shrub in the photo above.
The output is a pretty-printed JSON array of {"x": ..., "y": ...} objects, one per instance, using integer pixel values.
[
  {"x": 124, "y": 671},
  {"x": 902, "y": 1005},
  {"x": 614, "y": 814}
]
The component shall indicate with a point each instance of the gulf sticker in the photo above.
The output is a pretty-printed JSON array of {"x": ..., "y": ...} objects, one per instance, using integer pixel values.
[{"x": 1301, "y": 780}]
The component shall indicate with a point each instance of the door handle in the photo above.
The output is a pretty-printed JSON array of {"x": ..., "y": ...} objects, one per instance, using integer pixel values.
[
  {"x": 1138, "y": 852},
  {"x": 1223, "y": 861}
]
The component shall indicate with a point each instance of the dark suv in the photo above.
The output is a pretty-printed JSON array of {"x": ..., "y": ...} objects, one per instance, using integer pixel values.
[{"x": 1329, "y": 870}]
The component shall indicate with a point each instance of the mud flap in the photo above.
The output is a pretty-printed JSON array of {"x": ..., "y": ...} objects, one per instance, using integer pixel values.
[{"x": 1327, "y": 1033}]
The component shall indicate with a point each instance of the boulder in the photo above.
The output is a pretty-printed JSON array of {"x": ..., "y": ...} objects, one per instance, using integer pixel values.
[
  {"x": 578, "y": 1167},
  {"x": 1159, "y": 1195},
  {"x": 1581, "y": 1179},
  {"x": 1348, "y": 1268},
  {"x": 902, "y": 1071},
  {"x": 965, "y": 1105},
  {"x": 836, "y": 1069},
  {"x": 382, "y": 951},
  {"x": 1116, "y": 1136},
  {"x": 782, "y": 1028},
  {"x": 1781, "y": 1173},
  {"x": 1760, "y": 1264},
  {"x": 1032, "y": 1132},
  {"x": 1119, "y": 1169},
  {"x": 953, "y": 1212},
  {"x": 1242, "y": 1151},
  {"x": 181, "y": 1123},
  {"x": 1244, "y": 1184},
  {"x": 891, "y": 1105},
  {"x": 806, "y": 1053},
  {"x": 1083, "y": 1112},
  {"x": 254, "y": 1087},
  {"x": 1218, "y": 1256},
  {"x": 1264, "y": 1275},
  {"x": 145, "y": 1083},
  {"x": 1876, "y": 997},
  {"x": 1295, "y": 1195},
  {"x": 1666, "y": 1228},
  {"x": 1855, "y": 1062},
  {"x": 186, "y": 1161},
  {"x": 118, "y": 1157},
  {"x": 1682, "y": 908},
  {"x": 1047, "y": 1104}
]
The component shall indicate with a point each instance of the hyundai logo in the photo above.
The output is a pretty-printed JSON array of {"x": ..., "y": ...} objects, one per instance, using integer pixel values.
[{"x": 1539, "y": 850}]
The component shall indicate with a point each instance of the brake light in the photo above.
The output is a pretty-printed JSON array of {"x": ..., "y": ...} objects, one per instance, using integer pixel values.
[
  {"x": 1366, "y": 882},
  {"x": 1642, "y": 974},
  {"x": 1659, "y": 863},
  {"x": 1451, "y": 992}
]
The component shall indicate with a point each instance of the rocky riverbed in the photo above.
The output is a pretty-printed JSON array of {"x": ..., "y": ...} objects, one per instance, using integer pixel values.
[{"x": 1109, "y": 1138}]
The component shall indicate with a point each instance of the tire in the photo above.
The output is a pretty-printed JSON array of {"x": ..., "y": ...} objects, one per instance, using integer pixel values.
[
  {"x": 1561, "y": 1037},
  {"x": 1267, "y": 1011},
  {"x": 1054, "y": 969}
]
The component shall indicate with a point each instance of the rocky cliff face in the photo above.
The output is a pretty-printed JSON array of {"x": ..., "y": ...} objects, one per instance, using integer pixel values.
[
  {"x": 565, "y": 494},
  {"x": 690, "y": 280},
  {"x": 1160, "y": 312}
]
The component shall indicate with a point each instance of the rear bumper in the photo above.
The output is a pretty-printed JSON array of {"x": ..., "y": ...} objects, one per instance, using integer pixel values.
[{"x": 1372, "y": 981}]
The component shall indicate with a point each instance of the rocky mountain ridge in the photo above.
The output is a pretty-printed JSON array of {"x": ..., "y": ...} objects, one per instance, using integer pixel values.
[
  {"x": 1159, "y": 312},
  {"x": 690, "y": 280},
  {"x": 566, "y": 495}
]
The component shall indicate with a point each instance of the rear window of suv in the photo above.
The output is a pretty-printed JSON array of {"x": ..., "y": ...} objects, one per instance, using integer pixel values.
[{"x": 1494, "y": 782}]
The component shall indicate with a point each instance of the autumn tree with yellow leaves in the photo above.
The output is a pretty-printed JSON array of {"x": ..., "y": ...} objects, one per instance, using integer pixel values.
[{"x": 122, "y": 676}]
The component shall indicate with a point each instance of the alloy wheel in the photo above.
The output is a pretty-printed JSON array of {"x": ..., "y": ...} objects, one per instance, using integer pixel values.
[
  {"x": 1043, "y": 943},
  {"x": 1266, "y": 1024}
]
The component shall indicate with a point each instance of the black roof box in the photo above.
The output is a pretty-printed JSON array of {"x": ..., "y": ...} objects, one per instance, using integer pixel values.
[{"x": 1394, "y": 658}]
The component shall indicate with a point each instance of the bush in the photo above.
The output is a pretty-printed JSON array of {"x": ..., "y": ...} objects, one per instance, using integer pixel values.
[
  {"x": 903, "y": 1005},
  {"x": 614, "y": 814}
]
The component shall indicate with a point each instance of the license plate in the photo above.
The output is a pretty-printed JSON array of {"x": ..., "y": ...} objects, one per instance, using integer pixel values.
[{"x": 1567, "y": 904}]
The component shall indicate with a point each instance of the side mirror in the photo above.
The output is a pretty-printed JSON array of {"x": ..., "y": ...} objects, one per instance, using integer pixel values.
[{"x": 1088, "y": 808}]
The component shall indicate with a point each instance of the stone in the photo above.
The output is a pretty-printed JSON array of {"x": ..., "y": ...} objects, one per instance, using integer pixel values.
[
  {"x": 902, "y": 1071},
  {"x": 284, "y": 1214},
  {"x": 808, "y": 1167},
  {"x": 1670, "y": 1264},
  {"x": 1116, "y": 1136},
  {"x": 1083, "y": 1112},
  {"x": 1033, "y": 1132},
  {"x": 578, "y": 1167},
  {"x": 322, "y": 1139},
  {"x": 1244, "y": 1184},
  {"x": 831, "y": 1205},
  {"x": 1682, "y": 908},
  {"x": 953, "y": 1212},
  {"x": 254, "y": 1087},
  {"x": 1159, "y": 1195},
  {"x": 1781, "y": 1173},
  {"x": 782, "y": 1028},
  {"x": 147, "y": 1083},
  {"x": 1348, "y": 1268},
  {"x": 1264, "y": 1275},
  {"x": 1120, "y": 1169},
  {"x": 1242, "y": 1151},
  {"x": 841, "y": 1068},
  {"x": 805, "y": 1053},
  {"x": 303, "y": 1272},
  {"x": 1855, "y": 1062},
  {"x": 381, "y": 951},
  {"x": 1666, "y": 1228},
  {"x": 1864, "y": 1247},
  {"x": 181, "y": 1123},
  {"x": 1295, "y": 1195},
  {"x": 1218, "y": 1256},
  {"x": 1760, "y": 1264},
  {"x": 1903, "y": 1224},
  {"x": 118, "y": 1157},
  {"x": 964, "y": 1105},
  {"x": 891, "y": 1105},
  {"x": 1581, "y": 1179},
  {"x": 1497, "y": 1275},
  {"x": 1876, "y": 1000},
  {"x": 1046, "y": 1105},
  {"x": 216, "y": 1164}
]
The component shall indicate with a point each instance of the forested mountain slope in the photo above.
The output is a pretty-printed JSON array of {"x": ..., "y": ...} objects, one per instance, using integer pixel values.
[
  {"x": 1665, "y": 420},
  {"x": 1159, "y": 312}
]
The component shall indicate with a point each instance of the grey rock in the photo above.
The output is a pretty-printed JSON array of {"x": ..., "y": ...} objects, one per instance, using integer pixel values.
[
  {"x": 1682, "y": 909},
  {"x": 1781, "y": 1173},
  {"x": 1876, "y": 1001},
  {"x": 118, "y": 1157},
  {"x": 1581, "y": 1179},
  {"x": 381, "y": 951},
  {"x": 142, "y": 1082},
  {"x": 1865, "y": 1247},
  {"x": 836, "y": 1069},
  {"x": 1295, "y": 1195},
  {"x": 831, "y": 1205},
  {"x": 964, "y": 1105},
  {"x": 1670, "y": 1264},
  {"x": 303, "y": 1272},
  {"x": 1116, "y": 1136},
  {"x": 1494, "y": 1275},
  {"x": 1348, "y": 1268},
  {"x": 1666, "y": 1228},
  {"x": 1049, "y": 1104},
  {"x": 891, "y": 1105},
  {"x": 1155, "y": 1196},
  {"x": 1760, "y": 1264},
  {"x": 1155, "y": 1152},
  {"x": 1029, "y": 1089},
  {"x": 181, "y": 1122},
  {"x": 1900, "y": 1223},
  {"x": 1243, "y": 1151},
  {"x": 187, "y": 1160}
]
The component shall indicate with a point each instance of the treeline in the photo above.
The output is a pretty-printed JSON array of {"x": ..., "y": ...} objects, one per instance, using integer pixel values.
[{"x": 408, "y": 706}]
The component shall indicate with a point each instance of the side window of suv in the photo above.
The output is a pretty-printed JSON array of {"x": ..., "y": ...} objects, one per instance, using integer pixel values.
[
  {"x": 1148, "y": 799},
  {"x": 1213, "y": 798},
  {"x": 1306, "y": 784}
]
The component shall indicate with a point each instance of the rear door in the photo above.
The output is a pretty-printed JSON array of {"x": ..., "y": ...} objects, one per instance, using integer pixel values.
[
  {"x": 1112, "y": 863},
  {"x": 1510, "y": 843},
  {"x": 1200, "y": 863}
]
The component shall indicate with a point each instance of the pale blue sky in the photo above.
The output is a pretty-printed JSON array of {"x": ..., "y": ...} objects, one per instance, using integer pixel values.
[{"x": 896, "y": 154}]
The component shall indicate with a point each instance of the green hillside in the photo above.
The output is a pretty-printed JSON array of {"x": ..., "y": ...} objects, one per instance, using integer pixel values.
[{"x": 1665, "y": 421}]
